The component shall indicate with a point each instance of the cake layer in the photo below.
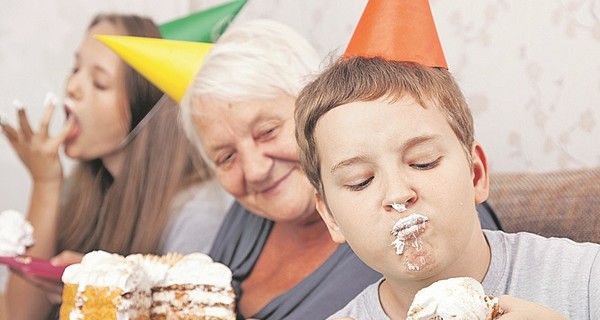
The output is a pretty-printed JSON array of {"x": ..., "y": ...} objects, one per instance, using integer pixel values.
[
  {"x": 193, "y": 302},
  {"x": 103, "y": 303},
  {"x": 110, "y": 286}
]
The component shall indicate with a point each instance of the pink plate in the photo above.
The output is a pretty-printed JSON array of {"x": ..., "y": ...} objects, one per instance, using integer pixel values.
[{"x": 34, "y": 266}]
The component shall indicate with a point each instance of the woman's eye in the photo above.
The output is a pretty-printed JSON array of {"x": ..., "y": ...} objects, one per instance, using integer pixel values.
[
  {"x": 426, "y": 166},
  {"x": 267, "y": 134},
  {"x": 224, "y": 159},
  {"x": 361, "y": 185}
]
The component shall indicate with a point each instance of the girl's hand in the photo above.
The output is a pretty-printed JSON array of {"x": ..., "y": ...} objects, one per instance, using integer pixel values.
[
  {"x": 53, "y": 288},
  {"x": 37, "y": 150}
]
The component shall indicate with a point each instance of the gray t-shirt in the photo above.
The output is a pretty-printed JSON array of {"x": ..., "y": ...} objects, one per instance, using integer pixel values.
[
  {"x": 197, "y": 215},
  {"x": 337, "y": 281},
  {"x": 555, "y": 272}
]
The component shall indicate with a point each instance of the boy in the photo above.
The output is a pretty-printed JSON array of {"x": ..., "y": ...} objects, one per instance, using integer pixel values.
[{"x": 386, "y": 141}]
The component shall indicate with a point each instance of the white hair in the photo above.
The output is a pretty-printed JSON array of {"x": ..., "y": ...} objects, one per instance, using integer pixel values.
[{"x": 259, "y": 59}]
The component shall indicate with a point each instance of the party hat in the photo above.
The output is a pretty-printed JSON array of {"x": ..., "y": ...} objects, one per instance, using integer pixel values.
[
  {"x": 168, "y": 64},
  {"x": 400, "y": 30},
  {"x": 203, "y": 26}
]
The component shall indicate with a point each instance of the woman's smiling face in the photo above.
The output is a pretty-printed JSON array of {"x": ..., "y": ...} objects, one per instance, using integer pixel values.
[{"x": 253, "y": 147}]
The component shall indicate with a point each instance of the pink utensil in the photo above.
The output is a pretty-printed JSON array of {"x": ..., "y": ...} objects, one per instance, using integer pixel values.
[{"x": 34, "y": 266}]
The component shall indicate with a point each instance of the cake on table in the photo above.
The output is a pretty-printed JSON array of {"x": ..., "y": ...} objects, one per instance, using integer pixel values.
[
  {"x": 171, "y": 287},
  {"x": 106, "y": 286},
  {"x": 460, "y": 298}
]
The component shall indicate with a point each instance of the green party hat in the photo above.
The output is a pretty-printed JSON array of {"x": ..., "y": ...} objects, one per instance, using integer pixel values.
[{"x": 203, "y": 26}]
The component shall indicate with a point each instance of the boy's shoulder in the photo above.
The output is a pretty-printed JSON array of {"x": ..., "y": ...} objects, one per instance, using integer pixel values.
[{"x": 364, "y": 306}]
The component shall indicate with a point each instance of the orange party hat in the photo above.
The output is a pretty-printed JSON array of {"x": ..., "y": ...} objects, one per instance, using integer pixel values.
[
  {"x": 399, "y": 30},
  {"x": 169, "y": 64}
]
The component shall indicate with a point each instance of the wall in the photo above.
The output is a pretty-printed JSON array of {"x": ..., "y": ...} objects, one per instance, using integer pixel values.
[{"x": 529, "y": 69}]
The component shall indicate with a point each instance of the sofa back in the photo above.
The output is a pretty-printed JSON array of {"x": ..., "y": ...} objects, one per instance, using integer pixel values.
[{"x": 564, "y": 203}]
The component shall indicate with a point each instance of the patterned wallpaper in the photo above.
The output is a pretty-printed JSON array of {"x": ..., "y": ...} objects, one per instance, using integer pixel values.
[{"x": 529, "y": 69}]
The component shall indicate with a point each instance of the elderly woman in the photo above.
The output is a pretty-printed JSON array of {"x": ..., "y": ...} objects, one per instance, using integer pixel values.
[{"x": 239, "y": 109}]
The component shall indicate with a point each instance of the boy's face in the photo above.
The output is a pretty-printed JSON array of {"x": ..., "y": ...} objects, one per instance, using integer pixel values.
[{"x": 376, "y": 153}]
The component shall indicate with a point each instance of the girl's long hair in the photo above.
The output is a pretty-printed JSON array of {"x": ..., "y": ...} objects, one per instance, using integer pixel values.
[{"x": 128, "y": 214}]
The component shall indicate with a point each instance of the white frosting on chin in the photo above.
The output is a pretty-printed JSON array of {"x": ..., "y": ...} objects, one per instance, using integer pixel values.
[
  {"x": 103, "y": 269},
  {"x": 16, "y": 233},
  {"x": 455, "y": 298},
  {"x": 198, "y": 268}
]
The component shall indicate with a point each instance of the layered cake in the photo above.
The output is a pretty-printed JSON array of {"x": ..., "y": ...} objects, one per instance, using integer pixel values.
[
  {"x": 106, "y": 286},
  {"x": 195, "y": 288},
  {"x": 456, "y": 298},
  {"x": 110, "y": 286},
  {"x": 16, "y": 234}
]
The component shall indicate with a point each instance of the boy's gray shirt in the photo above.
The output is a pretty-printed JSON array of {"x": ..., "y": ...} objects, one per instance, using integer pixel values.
[{"x": 555, "y": 272}]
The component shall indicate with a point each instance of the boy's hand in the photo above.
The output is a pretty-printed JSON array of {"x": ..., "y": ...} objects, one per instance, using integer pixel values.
[{"x": 515, "y": 308}]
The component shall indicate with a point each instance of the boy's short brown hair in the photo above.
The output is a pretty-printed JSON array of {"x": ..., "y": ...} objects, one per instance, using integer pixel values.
[{"x": 367, "y": 79}]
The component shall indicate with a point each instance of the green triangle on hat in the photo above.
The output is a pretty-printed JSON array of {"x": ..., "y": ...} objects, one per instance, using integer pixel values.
[
  {"x": 203, "y": 26},
  {"x": 169, "y": 64}
]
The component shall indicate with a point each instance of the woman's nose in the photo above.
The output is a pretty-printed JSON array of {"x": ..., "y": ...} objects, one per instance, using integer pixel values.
[{"x": 256, "y": 165}]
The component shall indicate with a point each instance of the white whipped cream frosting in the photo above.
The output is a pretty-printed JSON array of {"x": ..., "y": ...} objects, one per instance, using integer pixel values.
[
  {"x": 16, "y": 233},
  {"x": 155, "y": 270},
  {"x": 455, "y": 298},
  {"x": 198, "y": 268},
  {"x": 406, "y": 228},
  {"x": 103, "y": 269},
  {"x": 100, "y": 268}
]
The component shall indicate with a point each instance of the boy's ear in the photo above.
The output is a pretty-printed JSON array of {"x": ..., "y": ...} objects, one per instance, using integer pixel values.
[
  {"x": 332, "y": 226},
  {"x": 481, "y": 181}
]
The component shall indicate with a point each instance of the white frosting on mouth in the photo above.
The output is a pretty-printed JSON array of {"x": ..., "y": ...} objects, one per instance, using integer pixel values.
[
  {"x": 16, "y": 233},
  {"x": 407, "y": 227}
]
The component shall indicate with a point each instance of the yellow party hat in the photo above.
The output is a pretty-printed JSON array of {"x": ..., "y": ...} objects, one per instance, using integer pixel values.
[{"x": 169, "y": 64}]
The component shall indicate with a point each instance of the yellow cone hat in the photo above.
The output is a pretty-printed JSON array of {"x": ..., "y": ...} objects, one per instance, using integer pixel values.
[
  {"x": 399, "y": 30},
  {"x": 169, "y": 64}
]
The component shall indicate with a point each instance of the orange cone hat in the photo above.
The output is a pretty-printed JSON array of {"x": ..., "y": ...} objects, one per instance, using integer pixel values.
[
  {"x": 169, "y": 64},
  {"x": 400, "y": 30}
]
